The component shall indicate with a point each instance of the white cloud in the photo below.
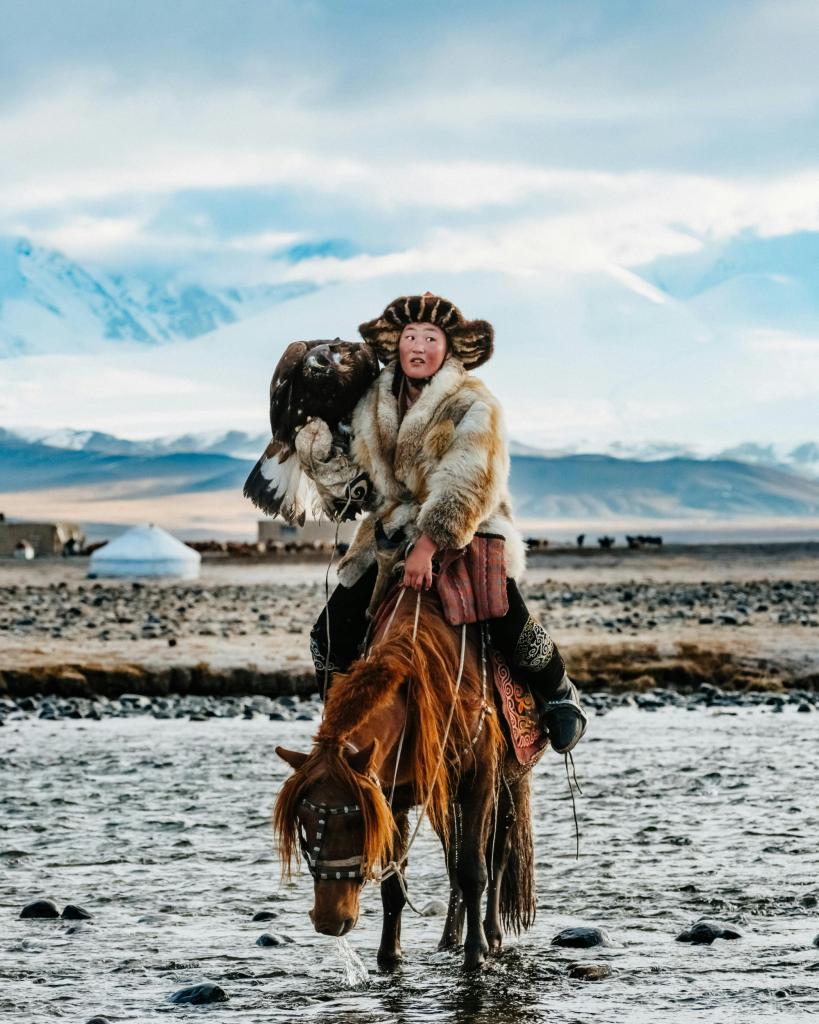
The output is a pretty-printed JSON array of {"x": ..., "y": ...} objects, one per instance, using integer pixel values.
[{"x": 88, "y": 144}]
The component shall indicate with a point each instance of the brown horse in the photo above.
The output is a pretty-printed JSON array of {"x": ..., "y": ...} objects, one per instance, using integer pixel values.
[{"x": 404, "y": 728}]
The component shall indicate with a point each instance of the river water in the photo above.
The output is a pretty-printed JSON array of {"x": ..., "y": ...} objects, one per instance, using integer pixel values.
[{"x": 161, "y": 830}]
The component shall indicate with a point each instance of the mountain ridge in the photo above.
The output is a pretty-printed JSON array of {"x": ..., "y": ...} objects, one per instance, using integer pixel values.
[
  {"x": 802, "y": 459},
  {"x": 567, "y": 486}
]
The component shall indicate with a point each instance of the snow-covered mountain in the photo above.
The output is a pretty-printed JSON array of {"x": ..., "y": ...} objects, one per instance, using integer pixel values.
[
  {"x": 236, "y": 443},
  {"x": 50, "y": 304}
]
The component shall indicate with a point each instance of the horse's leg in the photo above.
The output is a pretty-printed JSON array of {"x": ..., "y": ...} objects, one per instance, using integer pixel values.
[
  {"x": 497, "y": 855},
  {"x": 393, "y": 900},
  {"x": 454, "y": 924},
  {"x": 471, "y": 870}
]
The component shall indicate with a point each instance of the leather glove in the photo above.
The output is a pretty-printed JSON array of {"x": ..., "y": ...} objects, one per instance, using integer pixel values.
[{"x": 341, "y": 487}]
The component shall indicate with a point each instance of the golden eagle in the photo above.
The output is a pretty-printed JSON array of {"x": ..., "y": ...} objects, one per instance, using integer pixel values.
[{"x": 321, "y": 379}]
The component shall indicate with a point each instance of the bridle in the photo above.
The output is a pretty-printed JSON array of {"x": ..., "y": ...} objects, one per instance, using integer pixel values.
[{"x": 340, "y": 868}]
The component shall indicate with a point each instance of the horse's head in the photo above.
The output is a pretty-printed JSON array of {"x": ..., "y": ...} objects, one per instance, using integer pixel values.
[{"x": 332, "y": 810}]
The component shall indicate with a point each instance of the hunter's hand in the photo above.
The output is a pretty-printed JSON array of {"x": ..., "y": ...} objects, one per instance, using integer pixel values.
[{"x": 418, "y": 566}]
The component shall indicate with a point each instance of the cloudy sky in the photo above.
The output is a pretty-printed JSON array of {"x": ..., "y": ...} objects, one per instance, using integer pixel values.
[{"x": 629, "y": 190}]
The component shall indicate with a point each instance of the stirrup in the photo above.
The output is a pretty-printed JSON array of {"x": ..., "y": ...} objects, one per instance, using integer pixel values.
[{"x": 581, "y": 714}]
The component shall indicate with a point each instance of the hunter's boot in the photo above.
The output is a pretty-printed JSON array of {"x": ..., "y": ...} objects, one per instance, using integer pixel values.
[
  {"x": 533, "y": 657},
  {"x": 562, "y": 717}
]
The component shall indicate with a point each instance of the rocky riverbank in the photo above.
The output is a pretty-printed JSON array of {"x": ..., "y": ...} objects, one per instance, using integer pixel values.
[
  {"x": 202, "y": 707},
  {"x": 741, "y": 619}
]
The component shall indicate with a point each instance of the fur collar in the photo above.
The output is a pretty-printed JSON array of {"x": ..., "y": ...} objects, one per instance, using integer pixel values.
[
  {"x": 392, "y": 448},
  {"x": 420, "y": 414}
]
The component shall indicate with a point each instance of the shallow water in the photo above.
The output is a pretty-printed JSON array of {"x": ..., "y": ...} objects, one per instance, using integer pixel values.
[{"x": 161, "y": 830}]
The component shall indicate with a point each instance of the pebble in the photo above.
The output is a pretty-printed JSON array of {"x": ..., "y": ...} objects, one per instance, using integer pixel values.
[
  {"x": 704, "y": 932},
  {"x": 581, "y": 938},
  {"x": 73, "y": 913},
  {"x": 198, "y": 995},
  {"x": 266, "y": 939},
  {"x": 41, "y": 909}
]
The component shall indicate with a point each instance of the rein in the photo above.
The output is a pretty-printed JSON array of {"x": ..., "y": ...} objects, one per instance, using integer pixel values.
[{"x": 394, "y": 866}]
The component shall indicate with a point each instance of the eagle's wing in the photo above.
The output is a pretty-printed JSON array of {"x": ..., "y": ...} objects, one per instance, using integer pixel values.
[
  {"x": 287, "y": 391},
  {"x": 283, "y": 483},
  {"x": 279, "y": 486}
]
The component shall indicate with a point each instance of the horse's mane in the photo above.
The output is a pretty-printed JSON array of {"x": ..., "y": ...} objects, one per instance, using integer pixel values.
[{"x": 427, "y": 665}]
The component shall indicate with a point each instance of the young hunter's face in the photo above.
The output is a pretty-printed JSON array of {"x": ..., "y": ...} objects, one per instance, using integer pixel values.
[{"x": 421, "y": 350}]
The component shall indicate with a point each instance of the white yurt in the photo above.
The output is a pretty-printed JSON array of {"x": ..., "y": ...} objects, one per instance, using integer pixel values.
[{"x": 145, "y": 551}]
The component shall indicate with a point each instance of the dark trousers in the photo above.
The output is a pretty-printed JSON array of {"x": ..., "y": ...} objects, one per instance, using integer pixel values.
[{"x": 524, "y": 643}]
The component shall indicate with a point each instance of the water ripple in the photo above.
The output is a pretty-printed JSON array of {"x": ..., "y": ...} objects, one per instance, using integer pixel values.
[{"x": 161, "y": 830}]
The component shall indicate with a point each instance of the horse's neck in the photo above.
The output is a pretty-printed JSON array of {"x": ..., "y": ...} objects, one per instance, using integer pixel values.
[{"x": 385, "y": 726}]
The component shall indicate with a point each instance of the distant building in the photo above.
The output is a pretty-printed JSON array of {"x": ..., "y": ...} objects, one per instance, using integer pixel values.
[
  {"x": 313, "y": 532},
  {"x": 47, "y": 539}
]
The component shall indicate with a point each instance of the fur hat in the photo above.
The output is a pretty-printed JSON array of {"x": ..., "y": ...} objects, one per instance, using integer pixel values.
[{"x": 469, "y": 340}]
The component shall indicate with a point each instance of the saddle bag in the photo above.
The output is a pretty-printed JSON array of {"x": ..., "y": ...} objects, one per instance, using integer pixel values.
[{"x": 471, "y": 581}]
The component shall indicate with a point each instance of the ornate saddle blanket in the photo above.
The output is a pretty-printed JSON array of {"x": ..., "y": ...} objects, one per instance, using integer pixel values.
[
  {"x": 513, "y": 698},
  {"x": 519, "y": 712}
]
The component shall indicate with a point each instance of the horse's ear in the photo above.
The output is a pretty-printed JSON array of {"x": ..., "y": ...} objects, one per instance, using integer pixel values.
[
  {"x": 363, "y": 761},
  {"x": 293, "y": 757}
]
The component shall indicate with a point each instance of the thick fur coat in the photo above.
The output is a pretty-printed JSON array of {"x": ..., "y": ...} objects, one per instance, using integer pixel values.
[{"x": 442, "y": 470}]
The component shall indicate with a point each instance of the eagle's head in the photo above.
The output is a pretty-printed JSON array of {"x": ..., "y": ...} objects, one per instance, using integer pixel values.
[{"x": 319, "y": 378}]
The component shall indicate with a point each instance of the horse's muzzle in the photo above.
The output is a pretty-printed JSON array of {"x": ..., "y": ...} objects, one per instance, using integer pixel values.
[{"x": 332, "y": 925}]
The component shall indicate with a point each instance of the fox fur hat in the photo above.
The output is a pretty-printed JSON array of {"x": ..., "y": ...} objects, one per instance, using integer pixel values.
[{"x": 471, "y": 341}]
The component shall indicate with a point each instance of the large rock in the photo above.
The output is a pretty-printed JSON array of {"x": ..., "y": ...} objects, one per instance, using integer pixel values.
[
  {"x": 704, "y": 932},
  {"x": 581, "y": 938},
  {"x": 435, "y": 908},
  {"x": 41, "y": 909},
  {"x": 199, "y": 995},
  {"x": 590, "y": 972}
]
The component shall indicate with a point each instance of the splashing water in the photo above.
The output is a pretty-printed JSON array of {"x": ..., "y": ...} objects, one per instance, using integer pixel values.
[{"x": 355, "y": 973}]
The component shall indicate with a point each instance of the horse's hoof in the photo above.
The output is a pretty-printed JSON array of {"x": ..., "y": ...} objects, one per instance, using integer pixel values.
[
  {"x": 389, "y": 960},
  {"x": 474, "y": 959},
  {"x": 446, "y": 944}
]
